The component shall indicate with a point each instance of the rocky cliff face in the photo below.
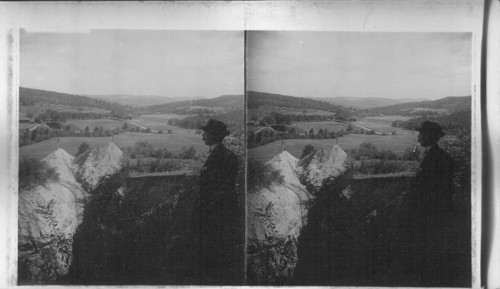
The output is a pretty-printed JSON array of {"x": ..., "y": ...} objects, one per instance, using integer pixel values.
[
  {"x": 277, "y": 214},
  {"x": 50, "y": 214}
]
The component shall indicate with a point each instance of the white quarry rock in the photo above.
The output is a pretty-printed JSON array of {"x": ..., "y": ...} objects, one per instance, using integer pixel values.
[
  {"x": 290, "y": 200},
  {"x": 55, "y": 209},
  {"x": 98, "y": 163},
  {"x": 325, "y": 164},
  {"x": 288, "y": 212}
]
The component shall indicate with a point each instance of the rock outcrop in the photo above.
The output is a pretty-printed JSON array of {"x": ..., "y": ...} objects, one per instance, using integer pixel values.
[
  {"x": 97, "y": 163},
  {"x": 49, "y": 214},
  {"x": 277, "y": 214}
]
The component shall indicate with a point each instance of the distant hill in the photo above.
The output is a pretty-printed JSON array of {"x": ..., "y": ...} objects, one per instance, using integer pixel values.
[
  {"x": 450, "y": 103},
  {"x": 137, "y": 100},
  {"x": 367, "y": 102},
  {"x": 30, "y": 97},
  {"x": 226, "y": 102},
  {"x": 258, "y": 99}
]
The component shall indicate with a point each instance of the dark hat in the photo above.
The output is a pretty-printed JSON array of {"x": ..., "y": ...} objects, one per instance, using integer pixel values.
[
  {"x": 431, "y": 128},
  {"x": 216, "y": 128}
]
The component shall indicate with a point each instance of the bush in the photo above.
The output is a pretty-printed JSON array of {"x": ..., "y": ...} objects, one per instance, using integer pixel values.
[
  {"x": 82, "y": 148},
  {"x": 165, "y": 166},
  {"x": 412, "y": 154},
  {"x": 188, "y": 153},
  {"x": 261, "y": 176},
  {"x": 374, "y": 167},
  {"x": 308, "y": 149},
  {"x": 368, "y": 149},
  {"x": 34, "y": 173}
]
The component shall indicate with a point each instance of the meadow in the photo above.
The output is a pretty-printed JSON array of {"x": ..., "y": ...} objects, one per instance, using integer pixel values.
[
  {"x": 91, "y": 123},
  {"x": 396, "y": 143},
  {"x": 159, "y": 122},
  {"x": 172, "y": 142},
  {"x": 380, "y": 124},
  {"x": 317, "y": 125}
]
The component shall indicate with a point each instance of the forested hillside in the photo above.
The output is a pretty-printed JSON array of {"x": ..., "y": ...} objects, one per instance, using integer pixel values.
[
  {"x": 30, "y": 97},
  {"x": 227, "y": 102},
  {"x": 258, "y": 99},
  {"x": 450, "y": 103}
]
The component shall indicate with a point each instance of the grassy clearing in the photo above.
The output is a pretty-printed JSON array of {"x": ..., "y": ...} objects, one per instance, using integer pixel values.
[
  {"x": 25, "y": 125},
  {"x": 263, "y": 111},
  {"x": 165, "y": 116},
  {"x": 70, "y": 144},
  {"x": 91, "y": 123},
  {"x": 387, "y": 118},
  {"x": 158, "y": 124},
  {"x": 317, "y": 125},
  {"x": 396, "y": 143}
]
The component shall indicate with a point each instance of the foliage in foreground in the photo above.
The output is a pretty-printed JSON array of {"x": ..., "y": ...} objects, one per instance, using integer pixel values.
[
  {"x": 33, "y": 173},
  {"x": 261, "y": 176}
]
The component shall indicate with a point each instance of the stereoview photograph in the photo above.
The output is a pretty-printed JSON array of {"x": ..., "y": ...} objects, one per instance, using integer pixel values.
[
  {"x": 359, "y": 158},
  {"x": 131, "y": 158}
]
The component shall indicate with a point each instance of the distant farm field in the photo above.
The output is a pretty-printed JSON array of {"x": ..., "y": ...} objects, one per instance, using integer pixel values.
[
  {"x": 387, "y": 118},
  {"x": 380, "y": 124},
  {"x": 159, "y": 123},
  {"x": 91, "y": 123},
  {"x": 317, "y": 125},
  {"x": 396, "y": 143},
  {"x": 172, "y": 142},
  {"x": 165, "y": 116},
  {"x": 26, "y": 125}
]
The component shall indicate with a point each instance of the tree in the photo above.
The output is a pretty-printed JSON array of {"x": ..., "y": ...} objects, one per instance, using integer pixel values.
[
  {"x": 349, "y": 127},
  {"x": 311, "y": 133},
  {"x": 82, "y": 148},
  {"x": 368, "y": 149},
  {"x": 308, "y": 149},
  {"x": 87, "y": 131}
]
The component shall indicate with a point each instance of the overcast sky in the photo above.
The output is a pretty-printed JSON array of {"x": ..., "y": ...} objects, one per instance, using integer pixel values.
[
  {"x": 165, "y": 63},
  {"x": 329, "y": 64}
]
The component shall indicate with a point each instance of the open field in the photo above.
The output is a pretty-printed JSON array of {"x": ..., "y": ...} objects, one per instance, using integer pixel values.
[
  {"x": 26, "y": 125},
  {"x": 396, "y": 143},
  {"x": 317, "y": 125},
  {"x": 210, "y": 108},
  {"x": 91, "y": 123},
  {"x": 386, "y": 118},
  {"x": 164, "y": 116},
  {"x": 438, "y": 110},
  {"x": 266, "y": 110},
  {"x": 159, "y": 123},
  {"x": 172, "y": 142},
  {"x": 381, "y": 124}
]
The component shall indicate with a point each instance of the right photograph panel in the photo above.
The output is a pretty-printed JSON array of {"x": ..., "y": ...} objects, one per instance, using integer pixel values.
[{"x": 359, "y": 158}]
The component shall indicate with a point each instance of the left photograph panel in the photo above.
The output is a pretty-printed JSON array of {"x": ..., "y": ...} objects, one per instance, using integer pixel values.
[{"x": 131, "y": 158}]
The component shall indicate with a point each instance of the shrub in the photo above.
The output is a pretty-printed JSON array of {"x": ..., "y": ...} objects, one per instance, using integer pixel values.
[
  {"x": 368, "y": 149},
  {"x": 308, "y": 149},
  {"x": 33, "y": 173},
  {"x": 165, "y": 166},
  {"x": 188, "y": 153},
  {"x": 82, "y": 148},
  {"x": 373, "y": 167},
  {"x": 411, "y": 154}
]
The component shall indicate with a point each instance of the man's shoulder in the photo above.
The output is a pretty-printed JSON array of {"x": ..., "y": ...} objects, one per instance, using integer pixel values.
[
  {"x": 222, "y": 151},
  {"x": 442, "y": 154}
]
